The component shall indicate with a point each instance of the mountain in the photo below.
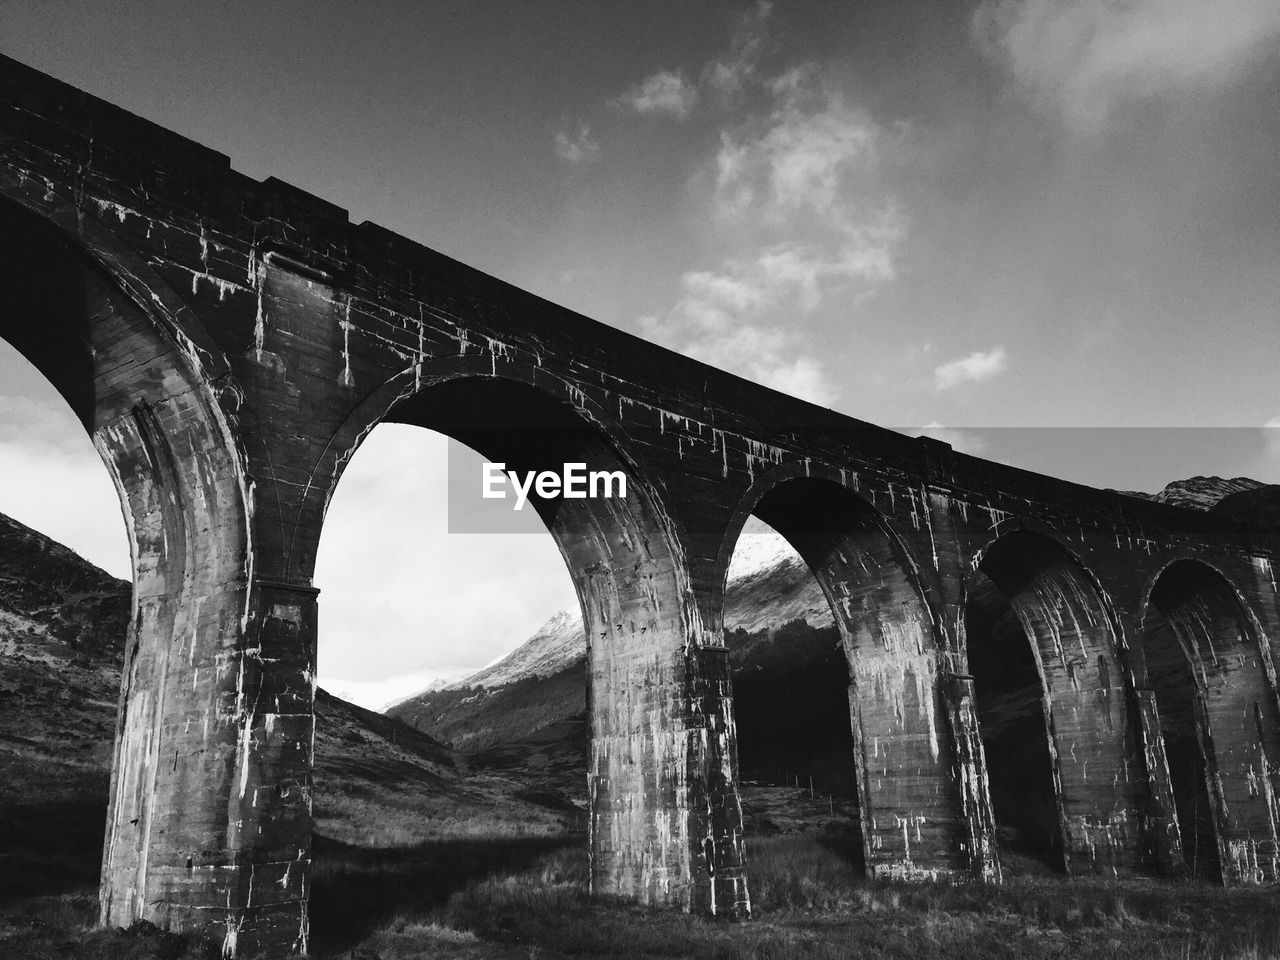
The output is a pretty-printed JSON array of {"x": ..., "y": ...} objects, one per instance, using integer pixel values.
[
  {"x": 1259, "y": 504},
  {"x": 1198, "y": 493},
  {"x": 526, "y": 714},
  {"x": 63, "y": 624},
  {"x": 555, "y": 645}
]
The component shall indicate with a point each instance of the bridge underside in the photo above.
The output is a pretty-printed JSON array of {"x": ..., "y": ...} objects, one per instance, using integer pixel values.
[{"x": 1032, "y": 662}]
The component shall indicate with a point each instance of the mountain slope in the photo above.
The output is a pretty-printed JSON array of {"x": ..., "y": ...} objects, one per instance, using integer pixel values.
[
  {"x": 1198, "y": 493},
  {"x": 527, "y": 712},
  {"x": 62, "y": 628}
]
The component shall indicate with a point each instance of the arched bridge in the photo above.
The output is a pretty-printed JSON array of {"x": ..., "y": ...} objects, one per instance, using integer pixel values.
[{"x": 228, "y": 343}]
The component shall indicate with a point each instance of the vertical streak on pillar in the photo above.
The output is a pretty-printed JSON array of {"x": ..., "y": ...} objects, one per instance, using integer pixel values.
[
  {"x": 866, "y": 822},
  {"x": 1162, "y": 817},
  {"x": 269, "y": 810},
  {"x": 720, "y": 877},
  {"x": 1213, "y": 781},
  {"x": 971, "y": 771}
]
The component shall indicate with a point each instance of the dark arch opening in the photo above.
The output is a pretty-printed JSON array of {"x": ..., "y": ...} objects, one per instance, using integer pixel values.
[
  {"x": 1169, "y": 675},
  {"x": 1015, "y": 735},
  {"x": 790, "y": 698},
  {"x": 900, "y": 809},
  {"x": 51, "y": 296},
  {"x": 1218, "y": 717},
  {"x": 1054, "y": 710}
]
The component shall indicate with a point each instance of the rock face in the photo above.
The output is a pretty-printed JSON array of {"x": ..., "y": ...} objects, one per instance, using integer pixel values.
[
  {"x": 62, "y": 628},
  {"x": 1199, "y": 493}
]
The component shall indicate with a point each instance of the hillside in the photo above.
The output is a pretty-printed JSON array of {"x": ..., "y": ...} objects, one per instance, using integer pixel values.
[
  {"x": 1198, "y": 493},
  {"x": 62, "y": 629},
  {"x": 527, "y": 712}
]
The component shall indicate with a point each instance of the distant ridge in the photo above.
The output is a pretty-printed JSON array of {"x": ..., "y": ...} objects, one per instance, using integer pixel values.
[{"x": 1198, "y": 493}]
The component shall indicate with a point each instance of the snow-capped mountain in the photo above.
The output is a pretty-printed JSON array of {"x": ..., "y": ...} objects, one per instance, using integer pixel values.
[{"x": 768, "y": 585}]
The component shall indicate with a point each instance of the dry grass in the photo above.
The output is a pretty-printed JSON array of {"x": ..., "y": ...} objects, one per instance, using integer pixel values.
[
  {"x": 810, "y": 903},
  {"x": 464, "y": 900}
]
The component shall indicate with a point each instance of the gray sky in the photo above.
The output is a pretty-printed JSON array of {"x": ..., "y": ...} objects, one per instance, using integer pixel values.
[{"x": 1017, "y": 214}]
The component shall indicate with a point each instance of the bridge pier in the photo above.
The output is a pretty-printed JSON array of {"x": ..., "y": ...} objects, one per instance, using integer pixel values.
[{"x": 209, "y": 828}]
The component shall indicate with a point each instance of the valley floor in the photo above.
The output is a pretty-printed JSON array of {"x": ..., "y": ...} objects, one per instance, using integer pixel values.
[{"x": 527, "y": 899}]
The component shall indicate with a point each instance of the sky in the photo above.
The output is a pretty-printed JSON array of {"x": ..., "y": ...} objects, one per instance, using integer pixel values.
[{"x": 983, "y": 219}]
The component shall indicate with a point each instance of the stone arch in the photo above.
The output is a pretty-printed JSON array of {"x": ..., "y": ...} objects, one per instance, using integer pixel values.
[
  {"x": 1047, "y": 655},
  {"x": 665, "y": 821},
  {"x": 1207, "y": 661},
  {"x": 910, "y": 810},
  {"x": 194, "y": 742}
]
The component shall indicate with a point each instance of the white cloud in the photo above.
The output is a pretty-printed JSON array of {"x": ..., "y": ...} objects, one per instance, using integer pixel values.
[
  {"x": 666, "y": 92},
  {"x": 1083, "y": 58},
  {"x": 976, "y": 367},
  {"x": 806, "y": 223},
  {"x": 728, "y": 75},
  {"x": 801, "y": 157},
  {"x": 577, "y": 145},
  {"x": 731, "y": 319}
]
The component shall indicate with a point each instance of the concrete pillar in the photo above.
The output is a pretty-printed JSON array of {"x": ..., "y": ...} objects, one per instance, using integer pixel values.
[
  {"x": 210, "y": 820},
  {"x": 1161, "y": 813},
  {"x": 665, "y": 821},
  {"x": 971, "y": 773}
]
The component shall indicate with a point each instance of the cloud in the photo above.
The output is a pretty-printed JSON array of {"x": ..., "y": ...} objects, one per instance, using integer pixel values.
[
  {"x": 666, "y": 92},
  {"x": 975, "y": 368},
  {"x": 733, "y": 319},
  {"x": 723, "y": 79},
  {"x": 1080, "y": 59},
  {"x": 577, "y": 145},
  {"x": 802, "y": 157},
  {"x": 805, "y": 223},
  {"x": 728, "y": 75}
]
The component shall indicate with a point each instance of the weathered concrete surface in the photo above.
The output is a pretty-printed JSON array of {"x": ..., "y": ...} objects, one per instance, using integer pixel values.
[{"x": 229, "y": 343}]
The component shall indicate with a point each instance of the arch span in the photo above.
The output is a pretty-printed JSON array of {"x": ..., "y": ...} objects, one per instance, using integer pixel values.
[
  {"x": 1064, "y": 760},
  {"x": 196, "y": 738},
  {"x": 912, "y": 820},
  {"x": 665, "y": 821},
  {"x": 1205, "y": 659}
]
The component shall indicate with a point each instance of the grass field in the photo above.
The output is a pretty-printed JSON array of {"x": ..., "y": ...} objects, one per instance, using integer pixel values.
[{"x": 527, "y": 898}]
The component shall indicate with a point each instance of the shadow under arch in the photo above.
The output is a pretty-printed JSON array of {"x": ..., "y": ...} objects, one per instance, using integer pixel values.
[
  {"x": 1055, "y": 711},
  {"x": 142, "y": 388},
  {"x": 1205, "y": 658},
  {"x": 910, "y": 812},
  {"x": 664, "y": 816}
]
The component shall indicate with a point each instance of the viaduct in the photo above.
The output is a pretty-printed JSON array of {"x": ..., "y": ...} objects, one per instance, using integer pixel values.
[{"x": 228, "y": 343}]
